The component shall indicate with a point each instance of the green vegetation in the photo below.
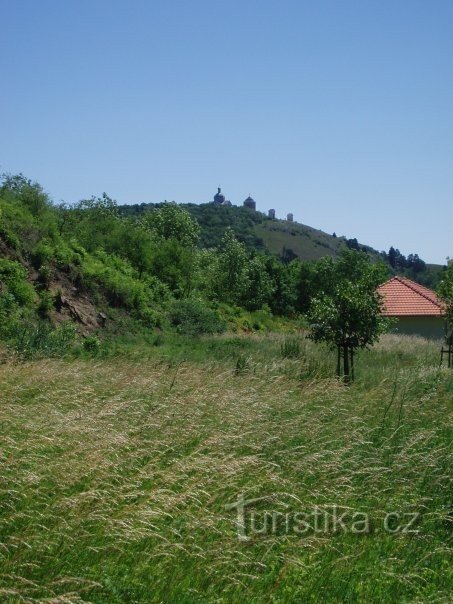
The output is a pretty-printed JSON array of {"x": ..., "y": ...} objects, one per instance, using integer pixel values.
[
  {"x": 445, "y": 291},
  {"x": 154, "y": 369},
  {"x": 191, "y": 269},
  {"x": 116, "y": 474},
  {"x": 346, "y": 314},
  {"x": 290, "y": 240}
]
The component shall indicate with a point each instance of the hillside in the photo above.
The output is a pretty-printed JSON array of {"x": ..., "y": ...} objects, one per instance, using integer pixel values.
[
  {"x": 294, "y": 240},
  {"x": 283, "y": 239},
  {"x": 194, "y": 269}
]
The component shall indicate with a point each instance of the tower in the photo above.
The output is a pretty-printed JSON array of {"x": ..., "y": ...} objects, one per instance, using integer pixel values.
[
  {"x": 219, "y": 199},
  {"x": 250, "y": 203}
]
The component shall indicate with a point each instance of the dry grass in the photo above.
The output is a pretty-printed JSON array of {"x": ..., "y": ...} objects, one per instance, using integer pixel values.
[{"x": 115, "y": 475}]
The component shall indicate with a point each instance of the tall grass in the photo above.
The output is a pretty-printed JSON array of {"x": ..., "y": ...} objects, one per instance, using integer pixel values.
[{"x": 116, "y": 472}]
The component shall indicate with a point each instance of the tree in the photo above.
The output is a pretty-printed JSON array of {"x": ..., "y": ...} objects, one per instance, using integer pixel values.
[
  {"x": 31, "y": 194},
  {"x": 415, "y": 263},
  {"x": 175, "y": 236},
  {"x": 284, "y": 279},
  {"x": 346, "y": 314},
  {"x": 172, "y": 222},
  {"x": 392, "y": 257},
  {"x": 396, "y": 258},
  {"x": 445, "y": 292},
  {"x": 260, "y": 286},
  {"x": 94, "y": 222},
  {"x": 232, "y": 271},
  {"x": 175, "y": 265},
  {"x": 137, "y": 246},
  {"x": 353, "y": 244}
]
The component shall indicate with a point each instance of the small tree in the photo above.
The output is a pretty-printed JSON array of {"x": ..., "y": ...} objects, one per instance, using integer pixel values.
[
  {"x": 260, "y": 286},
  {"x": 445, "y": 292},
  {"x": 172, "y": 222},
  {"x": 346, "y": 313},
  {"x": 232, "y": 279},
  {"x": 175, "y": 235}
]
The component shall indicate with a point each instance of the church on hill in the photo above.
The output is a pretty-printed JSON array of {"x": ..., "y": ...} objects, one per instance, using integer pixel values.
[{"x": 219, "y": 200}]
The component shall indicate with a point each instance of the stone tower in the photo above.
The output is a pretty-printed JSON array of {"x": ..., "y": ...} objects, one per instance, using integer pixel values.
[{"x": 250, "y": 203}]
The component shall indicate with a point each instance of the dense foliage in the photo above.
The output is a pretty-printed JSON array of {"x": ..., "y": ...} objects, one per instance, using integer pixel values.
[
  {"x": 445, "y": 291},
  {"x": 346, "y": 313},
  {"x": 288, "y": 241}
]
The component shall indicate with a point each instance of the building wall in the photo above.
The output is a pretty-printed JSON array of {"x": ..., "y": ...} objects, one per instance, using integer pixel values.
[{"x": 427, "y": 327}]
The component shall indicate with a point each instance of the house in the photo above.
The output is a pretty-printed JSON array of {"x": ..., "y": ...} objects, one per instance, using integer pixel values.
[{"x": 417, "y": 309}]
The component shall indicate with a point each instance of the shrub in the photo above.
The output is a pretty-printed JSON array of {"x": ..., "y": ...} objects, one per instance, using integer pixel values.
[
  {"x": 92, "y": 344},
  {"x": 45, "y": 275},
  {"x": 42, "y": 254},
  {"x": 115, "y": 277},
  {"x": 150, "y": 318},
  {"x": 13, "y": 277},
  {"x": 46, "y": 304},
  {"x": 191, "y": 317},
  {"x": 10, "y": 238}
]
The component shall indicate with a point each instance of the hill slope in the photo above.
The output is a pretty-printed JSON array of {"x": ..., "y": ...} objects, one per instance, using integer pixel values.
[{"x": 283, "y": 239}]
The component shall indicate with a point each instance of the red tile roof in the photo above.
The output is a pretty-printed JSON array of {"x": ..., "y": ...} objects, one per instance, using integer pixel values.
[{"x": 403, "y": 297}]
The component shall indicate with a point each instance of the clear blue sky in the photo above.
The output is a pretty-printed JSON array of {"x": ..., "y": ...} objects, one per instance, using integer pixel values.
[{"x": 339, "y": 111}]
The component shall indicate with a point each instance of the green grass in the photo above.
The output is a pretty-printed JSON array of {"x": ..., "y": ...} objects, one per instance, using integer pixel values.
[
  {"x": 116, "y": 472},
  {"x": 306, "y": 242}
]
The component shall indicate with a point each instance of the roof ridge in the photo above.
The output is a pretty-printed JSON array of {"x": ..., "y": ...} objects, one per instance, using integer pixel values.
[{"x": 408, "y": 283}]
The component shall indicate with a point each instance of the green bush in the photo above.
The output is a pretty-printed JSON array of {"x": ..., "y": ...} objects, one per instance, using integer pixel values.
[
  {"x": 13, "y": 279},
  {"x": 193, "y": 318},
  {"x": 45, "y": 275},
  {"x": 92, "y": 344},
  {"x": 46, "y": 304},
  {"x": 150, "y": 317},
  {"x": 10, "y": 238},
  {"x": 115, "y": 278},
  {"x": 42, "y": 254}
]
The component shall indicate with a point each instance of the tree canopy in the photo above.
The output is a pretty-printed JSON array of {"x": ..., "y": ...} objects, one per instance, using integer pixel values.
[{"x": 346, "y": 313}]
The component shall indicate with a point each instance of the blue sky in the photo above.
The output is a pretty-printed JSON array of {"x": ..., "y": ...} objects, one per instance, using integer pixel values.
[{"x": 338, "y": 111}]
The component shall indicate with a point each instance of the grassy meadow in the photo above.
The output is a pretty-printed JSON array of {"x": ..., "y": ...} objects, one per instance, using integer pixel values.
[{"x": 117, "y": 472}]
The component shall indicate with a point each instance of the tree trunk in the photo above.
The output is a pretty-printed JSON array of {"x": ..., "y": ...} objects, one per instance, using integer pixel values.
[
  {"x": 352, "y": 364},
  {"x": 346, "y": 363},
  {"x": 338, "y": 361}
]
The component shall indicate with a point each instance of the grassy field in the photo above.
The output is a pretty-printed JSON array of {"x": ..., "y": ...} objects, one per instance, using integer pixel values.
[
  {"x": 116, "y": 475},
  {"x": 306, "y": 242}
]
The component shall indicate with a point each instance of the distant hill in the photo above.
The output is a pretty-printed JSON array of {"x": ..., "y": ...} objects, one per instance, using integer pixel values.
[{"x": 284, "y": 239}]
